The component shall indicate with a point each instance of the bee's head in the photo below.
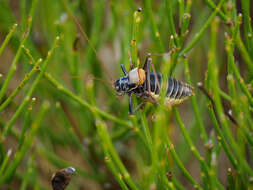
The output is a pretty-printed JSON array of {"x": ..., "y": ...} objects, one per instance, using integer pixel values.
[
  {"x": 128, "y": 82},
  {"x": 121, "y": 85}
]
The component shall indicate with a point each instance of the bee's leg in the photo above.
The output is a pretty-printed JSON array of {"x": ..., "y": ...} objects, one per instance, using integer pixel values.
[
  {"x": 155, "y": 101},
  {"x": 138, "y": 107},
  {"x": 147, "y": 94},
  {"x": 146, "y": 68},
  {"x": 130, "y": 61},
  {"x": 156, "y": 78},
  {"x": 146, "y": 64},
  {"x": 130, "y": 104},
  {"x": 159, "y": 54},
  {"x": 123, "y": 69}
]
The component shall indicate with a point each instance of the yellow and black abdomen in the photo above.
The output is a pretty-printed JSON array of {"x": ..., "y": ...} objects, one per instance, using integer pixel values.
[{"x": 176, "y": 91}]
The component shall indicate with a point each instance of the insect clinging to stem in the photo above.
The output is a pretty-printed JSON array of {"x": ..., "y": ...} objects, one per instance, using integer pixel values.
[
  {"x": 61, "y": 178},
  {"x": 146, "y": 84}
]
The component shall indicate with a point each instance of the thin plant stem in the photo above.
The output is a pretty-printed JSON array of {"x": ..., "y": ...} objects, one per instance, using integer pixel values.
[
  {"x": 211, "y": 4},
  {"x": 84, "y": 103},
  {"x": 247, "y": 25},
  {"x": 30, "y": 92},
  {"x": 194, "y": 105},
  {"x": 114, "y": 171},
  {"x": 134, "y": 41},
  {"x": 8, "y": 174},
  {"x": 13, "y": 66},
  {"x": 202, "y": 30},
  {"x": 105, "y": 138},
  {"x": 26, "y": 123},
  {"x": 220, "y": 137},
  {"x": 155, "y": 33},
  {"x": 7, "y": 38},
  {"x": 181, "y": 165},
  {"x": 21, "y": 85},
  {"x": 204, "y": 166},
  {"x": 172, "y": 27},
  {"x": 74, "y": 136},
  {"x": 5, "y": 161},
  {"x": 28, "y": 173}
]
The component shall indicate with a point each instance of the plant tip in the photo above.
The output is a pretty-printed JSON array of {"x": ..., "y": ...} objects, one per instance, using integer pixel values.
[
  {"x": 199, "y": 84},
  {"x": 70, "y": 170},
  {"x": 186, "y": 15},
  {"x": 33, "y": 99},
  {"x": 27, "y": 50},
  {"x": 57, "y": 104},
  {"x": 9, "y": 152},
  {"x": 169, "y": 174},
  {"x": 57, "y": 37},
  {"x": 209, "y": 145}
]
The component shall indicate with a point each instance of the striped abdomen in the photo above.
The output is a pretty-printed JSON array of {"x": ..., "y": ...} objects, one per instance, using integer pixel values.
[{"x": 176, "y": 91}]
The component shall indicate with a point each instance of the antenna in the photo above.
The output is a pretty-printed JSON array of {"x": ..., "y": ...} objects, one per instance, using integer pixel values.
[
  {"x": 79, "y": 26},
  {"x": 123, "y": 69}
]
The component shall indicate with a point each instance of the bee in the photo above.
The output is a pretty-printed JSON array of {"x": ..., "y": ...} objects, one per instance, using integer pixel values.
[
  {"x": 61, "y": 178},
  {"x": 146, "y": 85}
]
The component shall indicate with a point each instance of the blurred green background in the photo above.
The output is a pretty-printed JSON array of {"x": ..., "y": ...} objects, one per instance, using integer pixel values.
[{"x": 90, "y": 128}]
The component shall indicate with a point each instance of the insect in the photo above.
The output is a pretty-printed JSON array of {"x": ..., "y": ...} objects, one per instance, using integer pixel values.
[
  {"x": 61, "y": 178},
  {"x": 146, "y": 84}
]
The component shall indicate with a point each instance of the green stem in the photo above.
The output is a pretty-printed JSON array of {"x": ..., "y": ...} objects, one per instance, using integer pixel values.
[
  {"x": 202, "y": 30},
  {"x": 156, "y": 34},
  {"x": 203, "y": 135},
  {"x": 204, "y": 166},
  {"x": 28, "y": 174},
  {"x": 17, "y": 56},
  {"x": 21, "y": 85},
  {"x": 7, "y": 39},
  {"x": 181, "y": 165},
  {"x": 84, "y": 103},
  {"x": 247, "y": 25},
  {"x": 10, "y": 171},
  {"x": 5, "y": 161},
  {"x": 134, "y": 41},
  {"x": 211, "y": 4},
  {"x": 29, "y": 93},
  {"x": 172, "y": 27},
  {"x": 103, "y": 134}
]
